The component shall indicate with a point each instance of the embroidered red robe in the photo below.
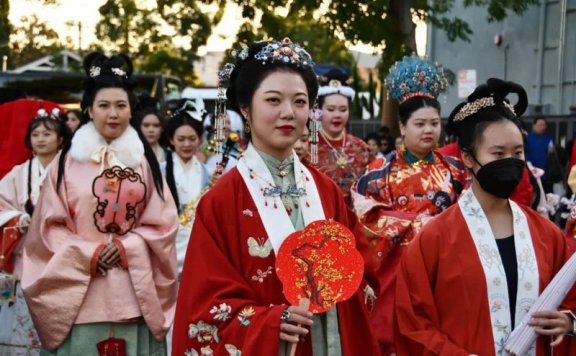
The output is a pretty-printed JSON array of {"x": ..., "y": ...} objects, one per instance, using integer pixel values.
[
  {"x": 230, "y": 297},
  {"x": 442, "y": 305}
]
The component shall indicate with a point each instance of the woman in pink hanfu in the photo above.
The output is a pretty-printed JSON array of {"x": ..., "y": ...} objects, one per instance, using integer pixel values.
[
  {"x": 100, "y": 263},
  {"x": 19, "y": 191}
]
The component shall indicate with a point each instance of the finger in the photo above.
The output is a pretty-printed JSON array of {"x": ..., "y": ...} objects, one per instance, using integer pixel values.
[
  {"x": 299, "y": 319},
  {"x": 300, "y": 311},
  {"x": 104, "y": 265},
  {"x": 289, "y": 338},
  {"x": 115, "y": 255},
  {"x": 557, "y": 340},
  {"x": 293, "y": 329},
  {"x": 102, "y": 271},
  {"x": 557, "y": 331}
]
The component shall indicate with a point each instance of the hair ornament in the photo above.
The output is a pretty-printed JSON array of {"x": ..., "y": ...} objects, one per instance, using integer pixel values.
[
  {"x": 284, "y": 52},
  {"x": 415, "y": 76},
  {"x": 43, "y": 113},
  {"x": 491, "y": 94},
  {"x": 475, "y": 106},
  {"x": 195, "y": 110},
  {"x": 242, "y": 54},
  {"x": 95, "y": 71},
  {"x": 335, "y": 82},
  {"x": 225, "y": 72},
  {"x": 118, "y": 71}
]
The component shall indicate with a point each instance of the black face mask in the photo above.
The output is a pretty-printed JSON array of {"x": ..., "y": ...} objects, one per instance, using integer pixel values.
[{"x": 500, "y": 177}]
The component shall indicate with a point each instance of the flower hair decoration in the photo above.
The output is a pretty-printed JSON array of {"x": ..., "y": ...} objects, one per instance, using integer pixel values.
[
  {"x": 414, "y": 76},
  {"x": 43, "y": 113},
  {"x": 96, "y": 71}
]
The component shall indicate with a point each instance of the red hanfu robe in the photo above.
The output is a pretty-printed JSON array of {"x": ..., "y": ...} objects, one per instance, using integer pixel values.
[
  {"x": 442, "y": 305},
  {"x": 393, "y": 199},
  {"x": 230, "y": 297},
  {"x": 355, "y": 156}
]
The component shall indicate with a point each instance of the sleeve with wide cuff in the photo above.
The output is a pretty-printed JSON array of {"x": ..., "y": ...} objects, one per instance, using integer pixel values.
[
  {"x": 217, "y": 310},
  {"x": 416, "y": 317}
]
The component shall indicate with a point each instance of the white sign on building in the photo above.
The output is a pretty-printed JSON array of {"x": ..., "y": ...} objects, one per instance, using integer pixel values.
[{"x": 466, "y": 82}]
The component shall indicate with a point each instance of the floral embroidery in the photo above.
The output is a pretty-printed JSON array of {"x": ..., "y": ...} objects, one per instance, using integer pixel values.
[
  {"x": 221, "y": 312},
  {"x": 259, "y": 248},
  {"x": 190, "y": 352},
  {"x": 248, "y": 212},
  {"x": 206, "y": 351},
  {"x": 232, "y": 350},
  {"x": 245, "y": 314},
  {"x": 261, "y": 275},
  {"x": 204, "y": 332},
  {"x": 496, "y": 306}
]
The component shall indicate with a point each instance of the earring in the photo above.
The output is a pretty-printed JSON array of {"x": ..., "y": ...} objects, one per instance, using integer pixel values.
[{"x": 247, "y": 127}]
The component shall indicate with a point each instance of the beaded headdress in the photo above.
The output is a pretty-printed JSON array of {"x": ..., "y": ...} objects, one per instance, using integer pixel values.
[
  {"x": 414, "y": 76},
  {"x": 274, "y": 52}
]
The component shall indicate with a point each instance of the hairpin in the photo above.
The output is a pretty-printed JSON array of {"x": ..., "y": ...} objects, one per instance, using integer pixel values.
[
  {"x": 43, "y": 113},
  {"x": 414, "y": 76},
  {"x": 96, "y": 71},
  {"x": 478, "y": 104}
]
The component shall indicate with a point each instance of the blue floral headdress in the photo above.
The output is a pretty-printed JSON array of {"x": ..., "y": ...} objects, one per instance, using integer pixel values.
[{"x": 414, "y": 76}]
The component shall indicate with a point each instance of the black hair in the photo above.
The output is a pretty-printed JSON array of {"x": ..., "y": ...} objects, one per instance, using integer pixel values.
[
  {"x": 538, "y": 118},
  {"x": 470, "y": 129},
  {"x": 76, "y": 113},
  {"x": 180, "y": 118},
  {"x": 50, "y": 123},
  {"x": 373, "y": 136},
  {"x": 324, "y": 80},
  {"x": 149, "y": 110},
  {"x": 408, "y": 107},
  {"x": 111, "y": 72},
  {"x": 249, "y": 73}
]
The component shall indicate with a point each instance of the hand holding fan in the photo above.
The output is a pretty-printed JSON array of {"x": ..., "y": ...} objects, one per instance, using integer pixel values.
[{"x": 319, "y": 264}]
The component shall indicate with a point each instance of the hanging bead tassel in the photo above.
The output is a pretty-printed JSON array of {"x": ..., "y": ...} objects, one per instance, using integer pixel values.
[{"x": 315, "y": 123}]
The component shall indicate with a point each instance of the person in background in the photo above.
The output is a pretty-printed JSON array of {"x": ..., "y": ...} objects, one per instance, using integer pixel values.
[
  {"x": 505, "y": 253},
  {"x": 19, "y": 194},
  {"x": 374, "y": 143},
  {"x": 302, "y": 145},
  {"x": 387, "y": 140},
  {"x": 539, "y": 145},
  {"x": 341, "y": 156},
  {"x": 151, "y": 124},
  {"x": 73, "y": 118},
  {"x": 99, "y": 269},
  {"x": 401, "y": 192}
]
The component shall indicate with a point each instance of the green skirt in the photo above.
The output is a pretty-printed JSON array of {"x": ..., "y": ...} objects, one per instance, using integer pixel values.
[{"x": 83, "y": 338}]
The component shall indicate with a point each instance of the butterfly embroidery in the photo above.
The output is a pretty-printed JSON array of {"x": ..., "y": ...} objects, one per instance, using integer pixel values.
[{"x": 259, "y": 248}]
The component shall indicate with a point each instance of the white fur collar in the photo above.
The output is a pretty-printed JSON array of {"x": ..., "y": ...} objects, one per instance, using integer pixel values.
[{"x": 127, "y": 148}]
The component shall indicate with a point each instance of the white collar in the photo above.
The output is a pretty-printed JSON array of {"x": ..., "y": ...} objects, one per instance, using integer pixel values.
[
  {"x": 276, "y": 221},
  {"x": 127, "y": 149}
]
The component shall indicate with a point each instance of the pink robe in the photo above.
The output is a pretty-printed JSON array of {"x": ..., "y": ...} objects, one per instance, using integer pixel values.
[
  {"x": 57, "y": 282},
  {"x": 13, "y": 197}
]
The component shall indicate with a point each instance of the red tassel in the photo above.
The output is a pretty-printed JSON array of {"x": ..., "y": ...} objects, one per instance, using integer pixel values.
[
  {"x": 307, "y": 205},
  {"x": 296, "y": 205},
  {"x": 265, "y": 202},
  {"x": 275, "y": 206}
]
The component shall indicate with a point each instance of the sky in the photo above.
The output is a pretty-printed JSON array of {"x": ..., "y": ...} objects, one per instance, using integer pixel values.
[{"x": 86, "y": 11}]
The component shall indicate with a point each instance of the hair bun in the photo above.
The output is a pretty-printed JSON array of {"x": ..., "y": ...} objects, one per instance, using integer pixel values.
[{"x": 96, "y": 64}]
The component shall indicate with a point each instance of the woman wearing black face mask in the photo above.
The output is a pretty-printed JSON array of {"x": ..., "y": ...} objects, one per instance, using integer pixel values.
[{"x": 474, "y": 271}]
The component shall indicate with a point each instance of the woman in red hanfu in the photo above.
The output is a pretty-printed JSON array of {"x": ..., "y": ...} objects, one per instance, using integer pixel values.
[
  {"x": 399, "y": 193},
  {"x": 341, "y": 156},
  {"x": 231, "y": 300},
  {"x": 472, "y": 274}
]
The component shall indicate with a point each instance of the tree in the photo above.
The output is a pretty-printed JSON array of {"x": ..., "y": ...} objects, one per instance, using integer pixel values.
[
  {"x": 32, "y": 40},
  {"x": 387, "y": 24},
  {"x": 5, "y": 28},
  {"x": 147, "y": 33}
]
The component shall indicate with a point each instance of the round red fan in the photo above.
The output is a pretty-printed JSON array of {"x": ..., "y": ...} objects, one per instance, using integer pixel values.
[{"x": 320, "y": 263}]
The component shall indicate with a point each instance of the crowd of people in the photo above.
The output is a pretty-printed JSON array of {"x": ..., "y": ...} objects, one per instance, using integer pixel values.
[{"x": 130, "y": 232}]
